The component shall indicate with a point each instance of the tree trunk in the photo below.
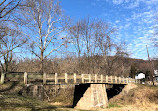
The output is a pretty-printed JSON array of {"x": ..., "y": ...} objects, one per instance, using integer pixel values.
[{"x": 41, "y": 63}]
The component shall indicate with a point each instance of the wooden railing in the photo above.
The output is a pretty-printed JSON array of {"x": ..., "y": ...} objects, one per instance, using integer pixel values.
[{"x": 64, "y": 78}]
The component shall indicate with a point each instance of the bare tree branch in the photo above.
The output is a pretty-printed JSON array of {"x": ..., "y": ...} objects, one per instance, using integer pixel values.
[{"x": 2, "y": 15}]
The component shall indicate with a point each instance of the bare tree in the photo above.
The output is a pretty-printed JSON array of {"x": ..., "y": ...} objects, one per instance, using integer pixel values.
[
  {"x": 45, "y": 23},
  {"x": 77, "y": 39},
  {"x": 87, "y": 35},
  {"x": 86, "y": 31},
  {"x": 94, "y": 38},
  {"x": 6, "y": 13},
  {"x": 83, "y": 39},
  {"x": 9, "y": 43},
  {"x": 109, "y": 50}
]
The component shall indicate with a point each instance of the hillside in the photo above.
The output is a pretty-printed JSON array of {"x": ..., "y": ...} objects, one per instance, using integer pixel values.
[{"x": 119, "y": 66}]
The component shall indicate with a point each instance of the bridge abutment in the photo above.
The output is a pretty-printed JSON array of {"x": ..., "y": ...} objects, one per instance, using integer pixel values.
[
  {"x": 94, "y": 97},
  {"x": 52, "y": 93}
]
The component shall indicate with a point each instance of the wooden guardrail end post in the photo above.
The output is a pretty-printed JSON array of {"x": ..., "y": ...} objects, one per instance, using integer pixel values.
[
  {"x": 2, "y": 78},
  {"x": 66, "y": 78},
  {"x": 25, "y": 78},
  {"x": 75, "y": 78}
]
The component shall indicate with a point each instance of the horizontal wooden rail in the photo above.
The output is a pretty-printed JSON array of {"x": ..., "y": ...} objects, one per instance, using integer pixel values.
[{"x": 65, "y": 78}]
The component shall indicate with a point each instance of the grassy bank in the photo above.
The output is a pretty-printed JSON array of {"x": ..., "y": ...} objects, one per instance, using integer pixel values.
[
  {"x": 136, "y": 98},
  {"x": 12, "y": 100}
]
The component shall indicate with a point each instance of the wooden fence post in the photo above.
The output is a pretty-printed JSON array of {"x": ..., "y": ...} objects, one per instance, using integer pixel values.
[
  {"x": 123, "y": 80},
  {"x": 136, "y": 81},
  {"x": 107, "y": 79},
  {"x": 111, "y": 79},
  {"x": 96, "y": 78},
  {"x": 2, "y": 77},
  {"x": 115, "y": 79},
  {"x": 133, "y": 80},
  {"x": 44, "y": 78},
  {"x": 139, "y": 81},
  {"x": 89, "y": 78},
  {"x": 120, "y": 80},
  {"x": 66, "y": 78},
  {"x": 56, "y": 78},
  {"x": 25, "y": 77},
  {"x": 82, "y": 78},
  {"x": 74, "y": 77},
  {"x": 101, "y": 78},
  {"x": 127, "y": 79},
  {"x": 130, "y": 80}
]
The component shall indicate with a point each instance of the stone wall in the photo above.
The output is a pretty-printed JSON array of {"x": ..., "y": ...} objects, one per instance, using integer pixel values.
[{"x": 51, "y": 93}]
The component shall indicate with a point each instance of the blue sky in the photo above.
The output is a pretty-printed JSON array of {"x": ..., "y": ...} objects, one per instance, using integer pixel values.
[{"x": 135, "y": 20}]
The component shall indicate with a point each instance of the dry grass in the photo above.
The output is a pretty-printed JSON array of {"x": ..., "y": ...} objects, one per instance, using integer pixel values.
[
  {"x": 141, "y": 98},
  {"x": 152, "y": 107},
  {"x": 11, "y": 100}
]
